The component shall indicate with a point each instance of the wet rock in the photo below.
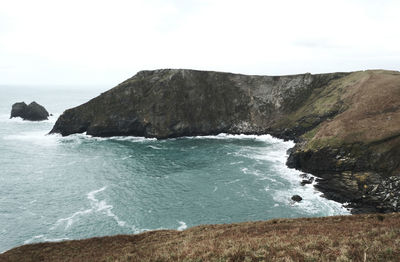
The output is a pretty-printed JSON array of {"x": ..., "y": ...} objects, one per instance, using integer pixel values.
[
  {"x": 297, "y": 198},
  {"x": 305, "y": 176},
  {"x": 309, "y": 180},
  {"x": 31, "y": 112}
]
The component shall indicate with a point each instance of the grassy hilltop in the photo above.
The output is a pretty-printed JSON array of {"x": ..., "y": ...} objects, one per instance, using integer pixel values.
[{"x": 373, "y": 237}]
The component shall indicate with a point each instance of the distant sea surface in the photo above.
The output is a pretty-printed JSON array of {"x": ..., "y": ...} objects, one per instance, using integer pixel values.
[{"x": 56, "y": 188}]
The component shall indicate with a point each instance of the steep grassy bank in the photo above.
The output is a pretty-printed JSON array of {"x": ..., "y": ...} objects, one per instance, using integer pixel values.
[
  {"x": 357, "y": 151},
  {"x": 340, "y": 238}
]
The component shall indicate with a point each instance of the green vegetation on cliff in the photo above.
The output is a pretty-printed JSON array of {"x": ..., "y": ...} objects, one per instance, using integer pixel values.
[{"x": 357, "y": 149}]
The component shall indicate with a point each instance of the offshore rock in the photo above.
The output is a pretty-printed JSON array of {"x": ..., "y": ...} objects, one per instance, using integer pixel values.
[
  {"x": 296, "y": 198},
  {"x": 31, "y": 112}
]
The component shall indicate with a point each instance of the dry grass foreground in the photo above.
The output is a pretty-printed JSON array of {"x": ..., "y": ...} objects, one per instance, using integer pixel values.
[{"x": 372, "y": 237}]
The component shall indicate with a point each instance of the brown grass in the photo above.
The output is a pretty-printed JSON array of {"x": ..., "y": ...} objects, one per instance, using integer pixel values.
[
  {"x": 340, "y": 238},
  {"x": 373, "y": 98}
]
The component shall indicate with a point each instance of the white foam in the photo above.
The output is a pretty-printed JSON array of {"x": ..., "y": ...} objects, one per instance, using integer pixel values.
[
  {"x": 122, "y": 138},
  {"x": 91, "y": 194},
  {"x": 33, "y": 238},
  {"x": 71, "y": 219},
  {"x": 233, "y": 181},
  {"x": 154, "y": 147},
  {"x": 97, "y": 206},
  {"x": 5, "y": 118},
  {"x": 42, "y": 238},
  {"x": 312, "y": 201},
  {"x": 265, "y": 138},
  {"x": 102, "y": 206},
  {"x": 276, "y": 154},
  {"x": 125, "y": 158},
  {"x": 39, "y": 138},
  {"x": 235, "y": 163},
  {"x": 182, "y": 226}
]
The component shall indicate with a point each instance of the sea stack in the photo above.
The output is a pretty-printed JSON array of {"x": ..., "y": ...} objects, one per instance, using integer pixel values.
[{"x": 31, "y": 112}]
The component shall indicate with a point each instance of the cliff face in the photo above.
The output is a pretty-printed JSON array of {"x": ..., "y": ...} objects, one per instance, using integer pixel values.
[
  {"x": 346, "y": 125},
  {"x": 357, "y": 152},
  {"x": 173, "y": 103}
]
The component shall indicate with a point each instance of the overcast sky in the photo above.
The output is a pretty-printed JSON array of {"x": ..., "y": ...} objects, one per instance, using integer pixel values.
[{"x": 97, "y": 42}]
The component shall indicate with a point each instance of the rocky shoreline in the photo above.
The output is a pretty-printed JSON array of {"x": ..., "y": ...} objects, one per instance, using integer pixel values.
[{"x": 346, "y": 125}]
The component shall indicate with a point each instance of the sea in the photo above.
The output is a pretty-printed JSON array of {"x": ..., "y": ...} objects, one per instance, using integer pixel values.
[{"x": 55, "y": 188}]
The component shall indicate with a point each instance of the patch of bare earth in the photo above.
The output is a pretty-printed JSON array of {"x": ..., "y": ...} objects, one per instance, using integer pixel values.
[{"x": 340, "y": 238}]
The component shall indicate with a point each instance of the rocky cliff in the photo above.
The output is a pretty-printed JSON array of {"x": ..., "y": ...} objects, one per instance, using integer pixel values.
[
  {"x": 357, "y": 152},
  {"x": 346, "y": 125},
  {"x": 173, "y": 103}
]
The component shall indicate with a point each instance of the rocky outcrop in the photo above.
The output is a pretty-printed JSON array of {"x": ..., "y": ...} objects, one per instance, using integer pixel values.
[
  {"x": 173, "y": 103},
  {"x": 296, "y": 198},
  {"x": 357, "y": 153},
  {"x": 32, "y": 112},
  {"x": 346, "y": 125}
]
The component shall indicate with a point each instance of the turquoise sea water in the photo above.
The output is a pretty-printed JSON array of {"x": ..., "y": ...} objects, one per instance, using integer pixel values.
[{"x": 54, "y": 188}]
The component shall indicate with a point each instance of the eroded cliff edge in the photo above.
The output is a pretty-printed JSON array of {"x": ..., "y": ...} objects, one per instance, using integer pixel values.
[{"x": 346, "y": 125}]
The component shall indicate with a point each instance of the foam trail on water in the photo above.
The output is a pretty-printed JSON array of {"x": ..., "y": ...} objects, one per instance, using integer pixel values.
[
  {"x": 42, "y": 238},
  {"x": 33, "y": 238},
  {"x": 97, "y": 206},
  {"x": 102, "y": 206},
  {"x": 154, "y": 147},
  {"x": 182, "y": 226},
  {"x": 38, "y": 138},
  {"x": 71, "y": 219}
]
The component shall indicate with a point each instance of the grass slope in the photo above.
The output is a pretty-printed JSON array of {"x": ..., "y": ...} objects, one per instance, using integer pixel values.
[{"x": 339, "y": 238}]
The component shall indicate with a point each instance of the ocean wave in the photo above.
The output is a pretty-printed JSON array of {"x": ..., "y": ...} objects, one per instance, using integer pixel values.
[
  {"x": 43, "y": 238},
  {"x": 121, "y": 138},
  {"x": 45, "y": 139},
  {"x": 313, "y": 203},
  {"x": 42, "y": 138},
  {"x": 276, "y": 155},
  {"x": 265, "y": 138},
  {"x": 154, "y": 147},
  {"x": 39, "y": 138},
  {"x": 182, "y": 226},
  {"x": 97, "y": 206},
  {"x": 5, "y": 118}
]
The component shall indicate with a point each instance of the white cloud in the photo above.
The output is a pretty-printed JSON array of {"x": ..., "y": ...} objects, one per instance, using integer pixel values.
[{"x": 104, "y": 42}]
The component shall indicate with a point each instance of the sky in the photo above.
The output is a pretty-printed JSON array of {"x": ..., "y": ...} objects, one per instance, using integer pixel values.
[{"x": 98, "y": 42}]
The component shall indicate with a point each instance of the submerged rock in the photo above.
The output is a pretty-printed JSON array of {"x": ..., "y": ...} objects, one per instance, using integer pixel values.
[{"x": 32, "y": 112}]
